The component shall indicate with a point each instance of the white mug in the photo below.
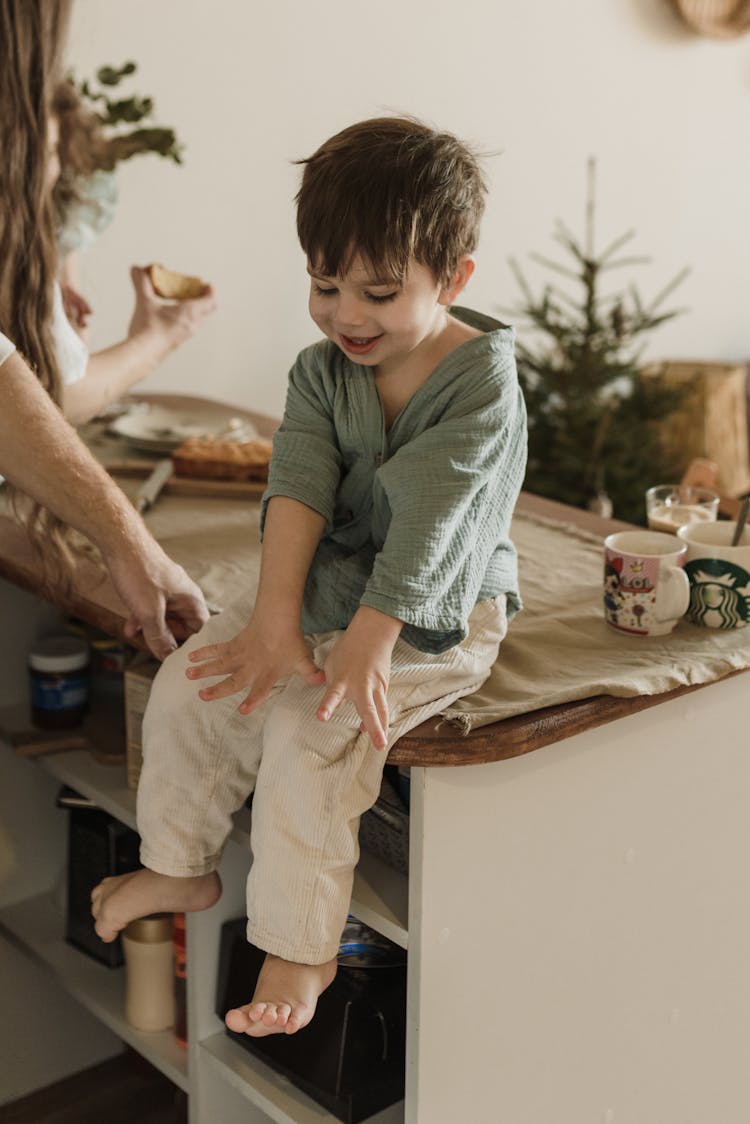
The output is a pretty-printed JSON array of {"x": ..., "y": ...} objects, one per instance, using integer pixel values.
[
  {"x": 719, "y": 574},
  {"x": 646, "y": 589}
]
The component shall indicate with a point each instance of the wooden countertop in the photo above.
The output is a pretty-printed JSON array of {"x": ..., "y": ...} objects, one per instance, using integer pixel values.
[{"x": 434, "y": 742}]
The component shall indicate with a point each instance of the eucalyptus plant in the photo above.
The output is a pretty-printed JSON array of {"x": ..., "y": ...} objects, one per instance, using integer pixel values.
[{"x": 118, "y": 115}]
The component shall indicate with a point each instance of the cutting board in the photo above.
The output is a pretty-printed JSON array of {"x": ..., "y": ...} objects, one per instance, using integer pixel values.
[{"x": 188, "y": 485}]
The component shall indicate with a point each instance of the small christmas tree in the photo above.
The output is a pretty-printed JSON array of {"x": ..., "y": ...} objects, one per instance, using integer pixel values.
[{"x": 593, "y": 418}]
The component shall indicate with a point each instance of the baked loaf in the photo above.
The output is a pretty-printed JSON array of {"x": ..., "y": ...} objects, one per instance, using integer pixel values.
[
  {"x": 200, "y": 457},
  {"x": 175, "y": 286}
]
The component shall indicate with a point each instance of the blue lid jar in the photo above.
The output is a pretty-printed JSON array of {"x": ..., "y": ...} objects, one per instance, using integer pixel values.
[{"x": 59, "y": 679}]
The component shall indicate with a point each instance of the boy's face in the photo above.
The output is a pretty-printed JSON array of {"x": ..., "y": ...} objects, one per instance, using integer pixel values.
[{"x": 377, "y": 321}]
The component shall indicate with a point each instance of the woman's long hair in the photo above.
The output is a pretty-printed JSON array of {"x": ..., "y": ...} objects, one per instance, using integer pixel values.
[{"x": 32, "y": 34}]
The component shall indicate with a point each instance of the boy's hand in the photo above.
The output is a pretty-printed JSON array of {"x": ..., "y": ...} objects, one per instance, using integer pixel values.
[
  {"x": 254, "y": 660},
  {"x": 358, "y": 668}
]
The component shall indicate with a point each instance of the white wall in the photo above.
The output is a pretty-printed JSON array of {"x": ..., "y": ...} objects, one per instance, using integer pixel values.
[{"x": 250, "y": 87}]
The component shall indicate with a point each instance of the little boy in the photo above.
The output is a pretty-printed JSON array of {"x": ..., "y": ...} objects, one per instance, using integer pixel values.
[{"x": 387, "y": 574}]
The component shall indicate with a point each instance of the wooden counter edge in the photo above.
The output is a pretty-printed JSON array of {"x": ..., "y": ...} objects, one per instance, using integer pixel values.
[
  {"x": 438, "y": 742},
  {"x": 435, "y": 742}
]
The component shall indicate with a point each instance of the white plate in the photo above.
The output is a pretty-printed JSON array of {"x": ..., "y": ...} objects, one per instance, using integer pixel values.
[{"x": 156, "y": 429}]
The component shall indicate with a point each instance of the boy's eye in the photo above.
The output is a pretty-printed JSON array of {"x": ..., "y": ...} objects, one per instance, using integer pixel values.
[
  {"x": 321, "y": 292},
  {"x": 378, "y": 298}
]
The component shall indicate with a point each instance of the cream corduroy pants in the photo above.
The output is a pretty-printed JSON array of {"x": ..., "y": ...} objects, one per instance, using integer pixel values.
[{"x": 311, "y": 780}]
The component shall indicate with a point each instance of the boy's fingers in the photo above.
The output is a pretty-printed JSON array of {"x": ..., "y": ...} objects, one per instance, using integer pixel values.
[
  {"x": 313, "y": 675},
  {"x": 228, "y": 686},
  {"x": 384, "y": 716},
  {"x": 258, "y": 695},
  {"x": 207, "y": 652},
  {"x": 331, "y": 700},
  {"x": 373, "y": 724},
  {"x": 204, "y": 670}
]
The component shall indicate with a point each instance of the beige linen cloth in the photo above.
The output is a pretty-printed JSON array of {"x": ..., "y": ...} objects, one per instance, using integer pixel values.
[{"x": 557, "y": 650}]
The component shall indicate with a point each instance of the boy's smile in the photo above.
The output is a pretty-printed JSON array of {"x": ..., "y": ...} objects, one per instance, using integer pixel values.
[{"x": 360, "y": 345}]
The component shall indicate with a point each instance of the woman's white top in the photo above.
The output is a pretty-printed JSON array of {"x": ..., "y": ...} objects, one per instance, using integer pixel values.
[
  {"x": 6, "y": 348},
  {"x": 70, "y": 350}
]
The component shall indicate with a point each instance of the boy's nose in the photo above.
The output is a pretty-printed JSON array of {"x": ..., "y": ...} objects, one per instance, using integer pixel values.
[{"x": 350, "y": 313}]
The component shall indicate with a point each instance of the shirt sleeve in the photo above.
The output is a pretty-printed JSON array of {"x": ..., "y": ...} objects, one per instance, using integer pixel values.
[
  {"x": 451, "y": 493},
  {"x": 306, "y": 463},
  {"x": 6, "y": 348}
]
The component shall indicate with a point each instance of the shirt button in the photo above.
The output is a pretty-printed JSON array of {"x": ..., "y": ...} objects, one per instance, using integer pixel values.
[{"x": 378, "y": 458}]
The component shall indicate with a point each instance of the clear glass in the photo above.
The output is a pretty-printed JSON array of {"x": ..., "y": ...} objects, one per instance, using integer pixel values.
[{"x": 669, "y": 506}]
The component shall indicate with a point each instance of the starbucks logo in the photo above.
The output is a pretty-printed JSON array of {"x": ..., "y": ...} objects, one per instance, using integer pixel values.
[{"x": 719, "y": 593}]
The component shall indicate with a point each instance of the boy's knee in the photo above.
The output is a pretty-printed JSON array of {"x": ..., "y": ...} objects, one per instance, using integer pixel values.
[{"x": 172, "y": 693}]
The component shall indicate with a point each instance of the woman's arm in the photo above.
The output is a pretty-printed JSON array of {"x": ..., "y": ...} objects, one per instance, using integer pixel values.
[
  {"x": 156, "y": 329},
  {"x": 43, "y": 456}
]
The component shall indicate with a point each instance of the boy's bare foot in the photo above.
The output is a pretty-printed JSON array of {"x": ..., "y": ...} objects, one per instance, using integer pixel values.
[
  {"x": 117, "y": 901},
  {"x": 285, "y": 998}
]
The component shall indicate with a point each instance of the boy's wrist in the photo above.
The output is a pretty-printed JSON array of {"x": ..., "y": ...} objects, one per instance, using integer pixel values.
[
  {"x": 378, "y": 627},
  {"x": 274, "y": 617}
]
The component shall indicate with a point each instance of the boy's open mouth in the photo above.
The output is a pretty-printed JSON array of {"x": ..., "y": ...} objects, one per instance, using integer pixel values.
[{"x": 359, "y": 345}]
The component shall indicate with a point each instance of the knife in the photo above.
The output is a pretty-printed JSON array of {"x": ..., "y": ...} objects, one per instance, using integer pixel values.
[{"x": 152, "y": 486}]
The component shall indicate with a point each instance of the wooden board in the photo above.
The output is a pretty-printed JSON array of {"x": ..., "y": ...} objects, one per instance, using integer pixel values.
[{"x": 188, "y": 485}]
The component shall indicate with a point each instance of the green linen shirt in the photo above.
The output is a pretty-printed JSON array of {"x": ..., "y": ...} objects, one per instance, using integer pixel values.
[{"x": 417, "y": 516}]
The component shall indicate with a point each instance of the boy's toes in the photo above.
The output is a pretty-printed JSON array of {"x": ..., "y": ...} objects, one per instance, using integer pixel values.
[
  {"x": 256, "y": 1011},
  {"x": 294, "y": 1023},
  {"x": 270, "y": 1015},
  {"x": 283, "y": 1014},
  {"x": 237, "y": 1020},
  {"x": 276, "y": 1014},
  {"x": 105, "y": 932}
]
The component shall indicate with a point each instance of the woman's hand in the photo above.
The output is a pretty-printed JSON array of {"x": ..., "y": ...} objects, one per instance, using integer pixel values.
[
  {"x": 254, "y": 661},
  {"x": 164, "y": 605},
  {"x": 170, "y": 323},
  {"x": 77, "y": 308}
]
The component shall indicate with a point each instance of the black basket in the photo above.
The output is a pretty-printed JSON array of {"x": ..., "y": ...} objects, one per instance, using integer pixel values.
[{"x": 384, "y": 830}]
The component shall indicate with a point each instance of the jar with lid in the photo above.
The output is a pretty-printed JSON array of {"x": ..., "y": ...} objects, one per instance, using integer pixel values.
[
  {"x": 59, "y": 679},
  {"x": 149, "y": 972}
]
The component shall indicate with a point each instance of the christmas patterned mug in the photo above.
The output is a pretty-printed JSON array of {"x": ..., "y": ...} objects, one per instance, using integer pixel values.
[
  {"x": 646, "y": 589},
  {"x": 719, "y": 574}
]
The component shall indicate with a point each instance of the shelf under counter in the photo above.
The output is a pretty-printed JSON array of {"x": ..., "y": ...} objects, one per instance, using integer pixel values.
[
  {"x": 274, "y": 1094},
  {"x": 37, "y": 928}
]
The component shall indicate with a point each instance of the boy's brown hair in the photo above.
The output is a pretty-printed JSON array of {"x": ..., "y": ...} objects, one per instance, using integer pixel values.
[{"x": 389, "y": 189}]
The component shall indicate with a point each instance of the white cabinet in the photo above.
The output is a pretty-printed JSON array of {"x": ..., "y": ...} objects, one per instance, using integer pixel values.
[{"x": 215, "y": 1071}]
